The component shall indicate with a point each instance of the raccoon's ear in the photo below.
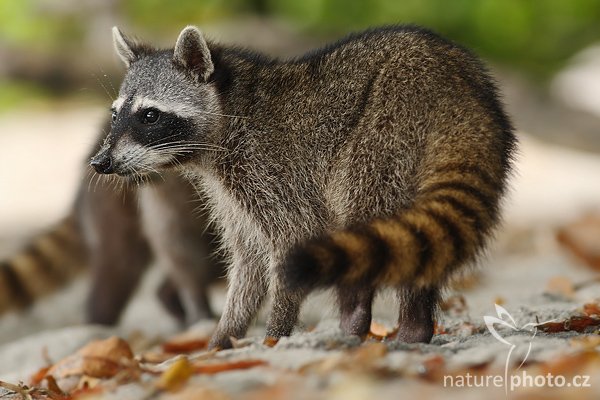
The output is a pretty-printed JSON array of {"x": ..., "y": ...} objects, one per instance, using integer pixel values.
[
  {"x": 191, "y": 52},
  {"x": 126, "y": 48}
]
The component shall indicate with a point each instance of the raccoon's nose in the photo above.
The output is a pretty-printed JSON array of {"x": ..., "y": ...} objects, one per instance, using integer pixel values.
[{"x": 102, "y": 164}]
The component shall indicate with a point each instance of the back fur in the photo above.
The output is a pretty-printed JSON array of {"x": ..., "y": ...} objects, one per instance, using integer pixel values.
[{"x": 455, "y": 176}]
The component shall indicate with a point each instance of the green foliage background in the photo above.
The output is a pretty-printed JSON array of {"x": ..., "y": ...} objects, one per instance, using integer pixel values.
[{"x": 536, "y": 36}]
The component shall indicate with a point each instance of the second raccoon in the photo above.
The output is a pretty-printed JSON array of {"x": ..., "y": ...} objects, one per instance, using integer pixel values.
[{"x": 116, "y": 234}]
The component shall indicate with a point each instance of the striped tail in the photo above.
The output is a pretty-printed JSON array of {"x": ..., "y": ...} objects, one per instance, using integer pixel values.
[
  {"x": 49, "y": 261},
  {"x": 447, "y": 225}
]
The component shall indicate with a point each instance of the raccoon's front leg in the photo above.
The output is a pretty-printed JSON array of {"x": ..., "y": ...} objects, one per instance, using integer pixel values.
[
  {"x": 169, "y": 297},
  {"x": 284, "y": 310},
  {"x": 119, "y": 252},
  {"x": 182, "y": 243},
  {"x": 417, "y": 309},
  {"x": 355, "y": 309},
  {"x": 245, "y": 294}
]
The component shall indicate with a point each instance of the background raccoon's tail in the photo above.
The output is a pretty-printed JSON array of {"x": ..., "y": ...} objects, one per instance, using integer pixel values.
[
  {"x": 447, "y": 225},
  {"x": 46, "y": 263}
]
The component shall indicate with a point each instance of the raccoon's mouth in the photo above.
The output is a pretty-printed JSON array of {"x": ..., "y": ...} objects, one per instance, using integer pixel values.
[
  {"x": 138, "y": 177},
  {"x": 127, "y": 174},
  {"x": 141, "y": 174}
]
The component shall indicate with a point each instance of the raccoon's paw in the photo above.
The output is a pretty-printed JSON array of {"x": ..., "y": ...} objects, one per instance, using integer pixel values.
[{"x": 220, "y": 342}]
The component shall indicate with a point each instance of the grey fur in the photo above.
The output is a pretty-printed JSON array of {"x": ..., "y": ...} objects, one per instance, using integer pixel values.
[{"x": 301, "y": 159}]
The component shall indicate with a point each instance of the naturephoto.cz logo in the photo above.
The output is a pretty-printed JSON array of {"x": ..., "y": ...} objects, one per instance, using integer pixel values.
[{"x": 516, "y": 379}]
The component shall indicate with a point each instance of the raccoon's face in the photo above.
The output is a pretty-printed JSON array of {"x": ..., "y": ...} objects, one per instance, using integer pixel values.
[{"x": 166, "y": 108}]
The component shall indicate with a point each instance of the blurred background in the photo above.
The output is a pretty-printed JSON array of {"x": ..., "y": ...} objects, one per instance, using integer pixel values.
[
  {"x": 59, "y": 48},
  {"x": 58, "y": 76}
]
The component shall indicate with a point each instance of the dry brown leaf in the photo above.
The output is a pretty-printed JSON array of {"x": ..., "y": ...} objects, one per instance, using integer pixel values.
[
  {"x": 176, "y": 375},
  {"x": 88, "y": 382},
  {"x": 26, "y": 392},
  {"x": 186, "y": 342},
  {"x": 439, "y": 329},
  {"x": 53, "y": 386},
  {"x": 576, "y": 323},
  {"x": 215, "y": 368},
  {"x": 270, "y": 341},
  {"x": 380, "y": 333},
  {"x": 85, "y": 392},
  {"x": 99, "y": 359},
  {"x": 433, "y": 368},
  {"x": 189, "y": 346},
  {"x": 582, "y": 239},
  {"x": 591, "y": 309},
  {"x": 19, "y": 389},
  {"x": 379, "y": 330},
  {"x": 561, "y": 285},
  {"x": 39, "y": 376}
]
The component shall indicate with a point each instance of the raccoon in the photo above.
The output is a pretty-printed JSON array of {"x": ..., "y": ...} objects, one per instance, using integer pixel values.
[
  {"x": 377, "y": 161},
  {"x": 47, "y": 262},
  {"x": 118, "y": 233},
  {"x": 124, "y": 230}
]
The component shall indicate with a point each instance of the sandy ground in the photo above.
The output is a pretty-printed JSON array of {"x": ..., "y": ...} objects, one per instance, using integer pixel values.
[{"x": 40, "y": 158}]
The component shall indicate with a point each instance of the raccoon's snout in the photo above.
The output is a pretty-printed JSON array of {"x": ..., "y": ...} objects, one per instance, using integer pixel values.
[{"x": 103, "y": 164}]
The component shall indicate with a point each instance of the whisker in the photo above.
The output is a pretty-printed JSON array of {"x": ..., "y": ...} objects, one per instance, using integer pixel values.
[
  {"x": 96, "y": 182},
  {"x": 168, "y": 144},
  {"x": 90, "y": 178},
  {"x": 103, "y": 87},
  {"x": 165, "y": 138},
  {"x": 197, "y": 146},
  {"x": 115, "y": 92},
  {"x": 115, "y": 183},
  {"x": 225, "y": 115}
]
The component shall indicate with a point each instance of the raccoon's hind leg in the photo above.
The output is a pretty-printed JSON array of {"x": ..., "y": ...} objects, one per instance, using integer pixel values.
[
  {"x": 417, "y": 310},
  {"x": 355, "y": 309}
]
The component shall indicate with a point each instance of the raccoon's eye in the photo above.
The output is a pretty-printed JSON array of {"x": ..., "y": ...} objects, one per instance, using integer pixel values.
[
  {"x": 113, "y": 115},
  {"x": 150, "y": 116}
]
